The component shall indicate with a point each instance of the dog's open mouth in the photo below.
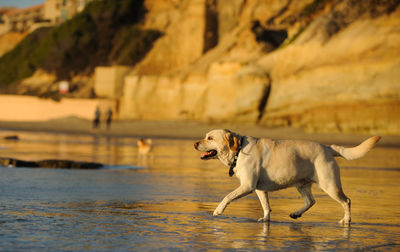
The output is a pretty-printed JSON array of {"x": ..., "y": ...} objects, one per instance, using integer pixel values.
[{"x": 208, "y": 154}]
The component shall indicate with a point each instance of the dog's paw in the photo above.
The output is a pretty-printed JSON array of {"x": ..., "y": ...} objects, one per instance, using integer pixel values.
[
  {"x": 295, "y": 215},
  {"x": 265, "y": 219},
  {"x": 345, "y": 222},
  {"x": 217, "y": 212}
]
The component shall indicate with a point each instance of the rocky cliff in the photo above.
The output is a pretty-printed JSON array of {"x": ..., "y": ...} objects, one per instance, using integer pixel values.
[
  {"x": 325, "y": 65},
  {"x": 321, "y": 65}
]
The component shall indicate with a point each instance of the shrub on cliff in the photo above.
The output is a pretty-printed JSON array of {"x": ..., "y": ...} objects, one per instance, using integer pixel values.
[{"x": 105, "y": 33}]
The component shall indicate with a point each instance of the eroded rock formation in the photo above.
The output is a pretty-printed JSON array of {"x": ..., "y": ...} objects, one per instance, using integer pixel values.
[{"x": 328, "y": 65}]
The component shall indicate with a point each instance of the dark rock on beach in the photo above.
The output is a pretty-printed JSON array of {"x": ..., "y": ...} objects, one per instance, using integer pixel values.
[
  {"x": 57, "y": 164},
  {"x": 11, "y": 137}
]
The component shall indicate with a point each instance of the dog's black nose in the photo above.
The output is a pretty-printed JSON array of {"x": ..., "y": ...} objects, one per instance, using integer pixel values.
[{"x": 196, "y": 144}]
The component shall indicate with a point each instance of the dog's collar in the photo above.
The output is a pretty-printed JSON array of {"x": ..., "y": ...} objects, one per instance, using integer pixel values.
[{"x": 235, "y": 158}]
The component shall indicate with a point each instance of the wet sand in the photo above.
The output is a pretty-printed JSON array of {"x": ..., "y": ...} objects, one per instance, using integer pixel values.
[
  {"x": 185, "y": 130},
  {"x": 168, "y": 203}
]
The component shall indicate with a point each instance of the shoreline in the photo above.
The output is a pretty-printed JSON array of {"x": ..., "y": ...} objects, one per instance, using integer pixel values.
[{"x": 183, "y": 130}]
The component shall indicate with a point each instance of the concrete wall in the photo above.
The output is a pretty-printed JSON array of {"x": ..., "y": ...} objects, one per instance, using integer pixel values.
[{"x": 30, "y": 108}]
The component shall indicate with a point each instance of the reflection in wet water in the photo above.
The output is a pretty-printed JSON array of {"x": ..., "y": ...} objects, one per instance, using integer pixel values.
[{"x": 169, "y": 204}]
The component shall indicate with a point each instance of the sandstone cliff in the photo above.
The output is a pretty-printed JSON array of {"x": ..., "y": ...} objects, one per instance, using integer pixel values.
[
  {"x": 325, "y": 65},
  {"x": 321, "y": 65}
]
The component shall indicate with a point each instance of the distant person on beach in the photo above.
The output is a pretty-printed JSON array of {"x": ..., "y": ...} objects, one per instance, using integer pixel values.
[
  {"x": 109, "y": 117},
  {"x": 96, "y": 120}
]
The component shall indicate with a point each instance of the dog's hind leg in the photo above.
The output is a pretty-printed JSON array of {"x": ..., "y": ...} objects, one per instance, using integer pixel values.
[
  {"x": 305, "y": 191},
  {"x": 263, "y": 197},
  {"x": 338, "y": 195},
  {"x": 329, "y": 182}
]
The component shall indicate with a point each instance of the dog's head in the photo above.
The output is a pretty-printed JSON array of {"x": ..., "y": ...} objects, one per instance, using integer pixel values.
[
  {"x": 144, "y": 142},
  {"x": 221, "y": 144}
]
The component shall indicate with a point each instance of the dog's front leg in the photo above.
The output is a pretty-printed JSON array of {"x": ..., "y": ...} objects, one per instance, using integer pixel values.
[
  {"x": 263, "y": 197},
  {"x": 239, "y": 192}
]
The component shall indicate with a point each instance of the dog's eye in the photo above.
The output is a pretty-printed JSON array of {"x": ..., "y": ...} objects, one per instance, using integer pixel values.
[{"x": 209, "y": 138}]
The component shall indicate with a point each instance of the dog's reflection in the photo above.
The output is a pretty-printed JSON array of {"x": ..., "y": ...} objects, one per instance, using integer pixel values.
[{"x": 302, "y": 234}]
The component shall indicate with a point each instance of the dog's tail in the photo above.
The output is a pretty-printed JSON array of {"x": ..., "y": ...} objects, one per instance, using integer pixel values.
[{"x": 355, "y": 152}]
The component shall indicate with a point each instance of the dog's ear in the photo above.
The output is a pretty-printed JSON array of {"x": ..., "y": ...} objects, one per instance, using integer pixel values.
[{"x": 232, "y": 141}]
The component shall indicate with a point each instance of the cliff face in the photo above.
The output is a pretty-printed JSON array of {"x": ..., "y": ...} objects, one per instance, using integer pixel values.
[
  {"x": 342, "y": 73},
  {"x": 328, "y": 65}
]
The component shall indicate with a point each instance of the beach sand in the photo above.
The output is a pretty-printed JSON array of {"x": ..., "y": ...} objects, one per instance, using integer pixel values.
[{"x": 182, "y": 130}]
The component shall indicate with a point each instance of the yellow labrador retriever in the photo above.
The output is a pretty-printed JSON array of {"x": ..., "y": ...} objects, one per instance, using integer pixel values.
[{"x": 263, "y": 165}]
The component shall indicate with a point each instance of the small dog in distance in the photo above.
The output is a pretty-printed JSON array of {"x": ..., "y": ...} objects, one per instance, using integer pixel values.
[{"x": 145, "y": 147}]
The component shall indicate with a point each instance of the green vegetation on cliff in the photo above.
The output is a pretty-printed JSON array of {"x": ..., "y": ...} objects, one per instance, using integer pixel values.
[{"x": 105, "y": 33}]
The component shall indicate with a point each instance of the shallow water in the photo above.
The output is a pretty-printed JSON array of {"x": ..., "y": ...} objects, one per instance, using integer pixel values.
[{"x": 168, "y": 205}]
